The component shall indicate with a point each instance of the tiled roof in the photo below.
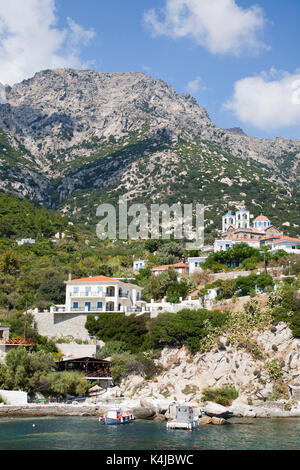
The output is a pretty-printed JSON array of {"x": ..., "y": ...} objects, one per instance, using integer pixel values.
[
  {"x": 94, "y": 279},
  {"x": 101, "y": 279},
  {"x": 166, "y": 266},
  {"x": 245, "y": 240},
  {"x": 287, "y": 239},
  {"x": 274, "y": 237},
  {"x": 261, "y": 218}
]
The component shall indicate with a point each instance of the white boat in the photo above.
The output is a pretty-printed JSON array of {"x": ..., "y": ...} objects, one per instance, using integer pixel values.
[{"x": 116, "y": 416}]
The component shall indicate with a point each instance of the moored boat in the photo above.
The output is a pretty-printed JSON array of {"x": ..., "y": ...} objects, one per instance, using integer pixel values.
[{"x": 116, "y": 416}]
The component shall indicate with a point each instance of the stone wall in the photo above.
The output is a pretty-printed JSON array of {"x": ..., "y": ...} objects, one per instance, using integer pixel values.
[{"x": 58, "y": 325}]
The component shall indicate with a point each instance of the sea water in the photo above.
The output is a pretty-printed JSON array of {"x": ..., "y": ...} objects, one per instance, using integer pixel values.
[{"x": 85, "y": 433}]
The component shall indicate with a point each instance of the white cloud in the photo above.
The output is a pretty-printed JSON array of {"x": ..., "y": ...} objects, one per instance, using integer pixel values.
[
  {"x": 194, "y": 86},
  {"x": 221, "y": 26},
  {"x": 31, "y": 41},
  {"x": 269, "y": 101}
]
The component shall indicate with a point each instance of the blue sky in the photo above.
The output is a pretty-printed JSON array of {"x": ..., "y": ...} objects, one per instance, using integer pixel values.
[{"x": 244, "y": 75}]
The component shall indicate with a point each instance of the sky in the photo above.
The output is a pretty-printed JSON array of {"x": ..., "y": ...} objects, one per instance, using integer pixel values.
[{"x": 238, "y": 58}]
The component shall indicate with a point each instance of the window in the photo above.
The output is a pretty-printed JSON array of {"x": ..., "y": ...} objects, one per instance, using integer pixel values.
[
  {"x": 75, "y": 304},
  {"x": 76, "y": 290},
  {"x": 87, "y": 291},
  {"x": 137, "y": 296},
  {"x": 99, "y": 304}
]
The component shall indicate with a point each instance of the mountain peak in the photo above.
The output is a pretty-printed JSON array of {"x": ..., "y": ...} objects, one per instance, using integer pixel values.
[{"x": 236, "y": 131}]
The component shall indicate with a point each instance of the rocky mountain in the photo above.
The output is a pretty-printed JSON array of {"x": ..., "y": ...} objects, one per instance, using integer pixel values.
[
  {"x": 236, "y": 131},
  {"x": 70, "y": 139}
]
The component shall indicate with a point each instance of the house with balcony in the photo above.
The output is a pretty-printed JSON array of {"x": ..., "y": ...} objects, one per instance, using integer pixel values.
[{"x": 102, "y": 294}]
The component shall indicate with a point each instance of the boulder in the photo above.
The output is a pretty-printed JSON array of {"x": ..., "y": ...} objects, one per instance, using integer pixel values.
[
  {"x": 147, "y": 404},
  {"x": 205, "y": 420},
  {"x": 160, "y": 417},
  {"x": 218, "y": 411},
  {"x": 218, "y": 421},
  {"x": 249, "y": 414},
  {"x": 143, "y": 413}
]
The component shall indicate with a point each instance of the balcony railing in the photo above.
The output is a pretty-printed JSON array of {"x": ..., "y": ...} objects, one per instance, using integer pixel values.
[
  {"x": 17, "y": 342},
  {"x": 87, "y": 294},
  {"x": 85, "y": 309},
  {"x": 98, "y": 294}
]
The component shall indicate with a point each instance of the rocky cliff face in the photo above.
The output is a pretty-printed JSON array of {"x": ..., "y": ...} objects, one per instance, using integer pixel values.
[
  {"x": 70, "y": 136},
  {"x": 184, "y": 377}
]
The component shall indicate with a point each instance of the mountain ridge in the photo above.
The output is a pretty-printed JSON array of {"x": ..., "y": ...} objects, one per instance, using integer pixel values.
[{"x": 80, "y": 134}]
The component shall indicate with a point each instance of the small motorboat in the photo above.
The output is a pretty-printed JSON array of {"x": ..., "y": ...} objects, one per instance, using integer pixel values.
[{"x": 116, "y": 416}]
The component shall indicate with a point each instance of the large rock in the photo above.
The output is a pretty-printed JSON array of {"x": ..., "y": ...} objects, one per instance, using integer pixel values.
[
  {"x": 205, "y": 420},
  {"x": 143, "y": 413},
  {"x": 160, "y": 417},
  {"x": 147, "y": 404},
  {"x": 218, "y": 421},
  {"x": 218, "y": 411}
]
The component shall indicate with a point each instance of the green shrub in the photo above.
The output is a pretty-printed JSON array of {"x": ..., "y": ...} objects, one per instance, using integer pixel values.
[
  {"x": 185, "y": 328},
  {"x": 284, "y": 306},
  {"x": 116, "y": 326},
  {"x": 126, "y": 364},
  {"x": 190, "y": 389},
  {"x": 111, "y": 348},
  {"x": 2, "y": 400},
  {"x": 274, "y": 370},
  {"x": 223, "y": 396}
]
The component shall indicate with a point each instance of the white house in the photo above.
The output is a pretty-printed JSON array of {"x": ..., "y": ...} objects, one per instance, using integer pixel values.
[
  {"x": 223, "y": 245},
  {"x": 24, "y": 241},
  {"x": 180, "y": 268},
  {"x": 139, "y": 264},
  {"x": 226, "y": 244},
  {"x": 195, "y": 263},
  {"x": 101, "y": 294},
  {"x": 288, "y": 244}
]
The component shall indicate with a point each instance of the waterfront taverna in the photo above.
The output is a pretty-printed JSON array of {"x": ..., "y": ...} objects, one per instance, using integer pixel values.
[{"x": 92, "y": 368}]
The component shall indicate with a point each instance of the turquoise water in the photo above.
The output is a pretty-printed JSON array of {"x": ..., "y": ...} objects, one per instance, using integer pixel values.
[{"x": 70, "y": 433}]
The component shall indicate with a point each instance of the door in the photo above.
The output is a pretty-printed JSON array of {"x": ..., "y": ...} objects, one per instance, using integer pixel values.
[{"x": 88, "y": 305}]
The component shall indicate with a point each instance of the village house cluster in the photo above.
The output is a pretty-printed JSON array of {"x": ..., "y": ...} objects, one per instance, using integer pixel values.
[
  {"x": 236, "y": 228},
  {"x": 98, "y": 294}
]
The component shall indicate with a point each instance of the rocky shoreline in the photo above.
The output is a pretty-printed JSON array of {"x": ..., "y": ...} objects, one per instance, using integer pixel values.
[{"x": 143, "y": 410}]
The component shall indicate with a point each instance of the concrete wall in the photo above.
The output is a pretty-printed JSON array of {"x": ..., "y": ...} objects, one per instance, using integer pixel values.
[
  {"x": 58, "y": 325},
  {"x": 2, "y": 353},
  {"x": 14, "y": 398},
  {"x": 157, "y": 308},
  {"x": 78, "y": 350}
]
